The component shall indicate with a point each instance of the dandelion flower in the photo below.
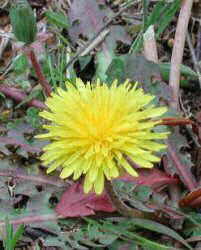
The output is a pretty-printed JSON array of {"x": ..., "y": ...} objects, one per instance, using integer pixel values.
[{"x": 93, "y": 127}]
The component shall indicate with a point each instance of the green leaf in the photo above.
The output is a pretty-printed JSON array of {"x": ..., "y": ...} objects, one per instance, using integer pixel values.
[
  {"x": 32, "y": 117},
  {"x": 107, "y": 239},
  {"x": 161, "y": 16},
  {"x": 137, "y": 238},
  {"x": 157, "y": 227},
  {"x": 116, "y": 70},
  {"x": 167, "y": 16},
  {"x": 143, "y": 193},
  {"x": 17, "y": 235},
  {"x": 107, "y": 54},
  {"x": 23, "y": 22},
  {"x": 55, "y": 242},
  {"x": 135, "y": 67},
  {"x": 11, "y": 238},
  {"x": 156, "y": 13},
  {"x": 59, "y": 19},
  {"x": 103, "y": 59},
  {"x": 185, "y": 71},
  {"x": 20, "y": 64},
  {"x": 120, "y": 245},
  {"x": 84, "y": 60}
]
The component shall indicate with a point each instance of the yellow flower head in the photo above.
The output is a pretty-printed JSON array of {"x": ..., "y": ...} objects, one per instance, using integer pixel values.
[{"x": 93, "y": 127}]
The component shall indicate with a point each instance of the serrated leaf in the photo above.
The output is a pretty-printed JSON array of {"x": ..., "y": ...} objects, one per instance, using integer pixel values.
[
  {"x": 86, "y": 18},
  {"x": 183, "y": 164},
  {"x": 16, "y": 137}
]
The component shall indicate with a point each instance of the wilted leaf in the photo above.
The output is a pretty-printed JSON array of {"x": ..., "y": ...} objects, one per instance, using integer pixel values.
[
  {"x": 86, "y": 18},
  {"x": 180, "y": 162},
  {"x": 37, "y": 189},
  {"x": 150, "y": 177},
  {"x": 75, "y": 203},
  {"x": 16, "y": 137}
]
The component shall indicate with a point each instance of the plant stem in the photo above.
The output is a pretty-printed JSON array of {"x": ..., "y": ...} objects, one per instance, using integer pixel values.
[
  {"x": 123, "y": 208},
  {"x": 171, "y": 121},
  {"x": 43, "y": 81},
  {"x": 178, "y": 49}
]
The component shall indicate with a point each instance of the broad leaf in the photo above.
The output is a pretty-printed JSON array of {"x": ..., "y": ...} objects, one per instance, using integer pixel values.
[{"x": 75, "y": 203}]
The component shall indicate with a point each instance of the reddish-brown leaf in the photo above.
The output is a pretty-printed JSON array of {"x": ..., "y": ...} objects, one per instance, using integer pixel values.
[
  {"x": 86, "y": 18},
  {"x": 153, "y": 178},
  {"x": 192, "y": 199},
  {"x": 75, "y": 203},
  {"x": 179, "y": 160}
]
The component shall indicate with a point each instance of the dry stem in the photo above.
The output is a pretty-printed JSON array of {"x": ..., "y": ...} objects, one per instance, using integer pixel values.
[
  {"x": 122, "y": 208},
  {"x": 178, "y": 49},
  {"x": 43, "y": 81}
]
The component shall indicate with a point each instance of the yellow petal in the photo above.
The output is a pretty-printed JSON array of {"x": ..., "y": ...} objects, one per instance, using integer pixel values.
[
  {"x": 87, "y": 185},
  {"x": 66, "y": 172},
  {"x": 99, "y": 183},
  {"x": 128, "y": 168}
]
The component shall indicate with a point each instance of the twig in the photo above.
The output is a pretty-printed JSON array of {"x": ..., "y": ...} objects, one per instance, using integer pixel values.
[
  {"x": 193, "y": 56},
  {"x": 43, "y": 81},
  {"x": 18, "y": 95},
  {"x": 178, "y": 49},
  {"x": 198, "y": 47},
  {"x": 90, "y": 45},
  {"x": 150, "y": 51}
]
